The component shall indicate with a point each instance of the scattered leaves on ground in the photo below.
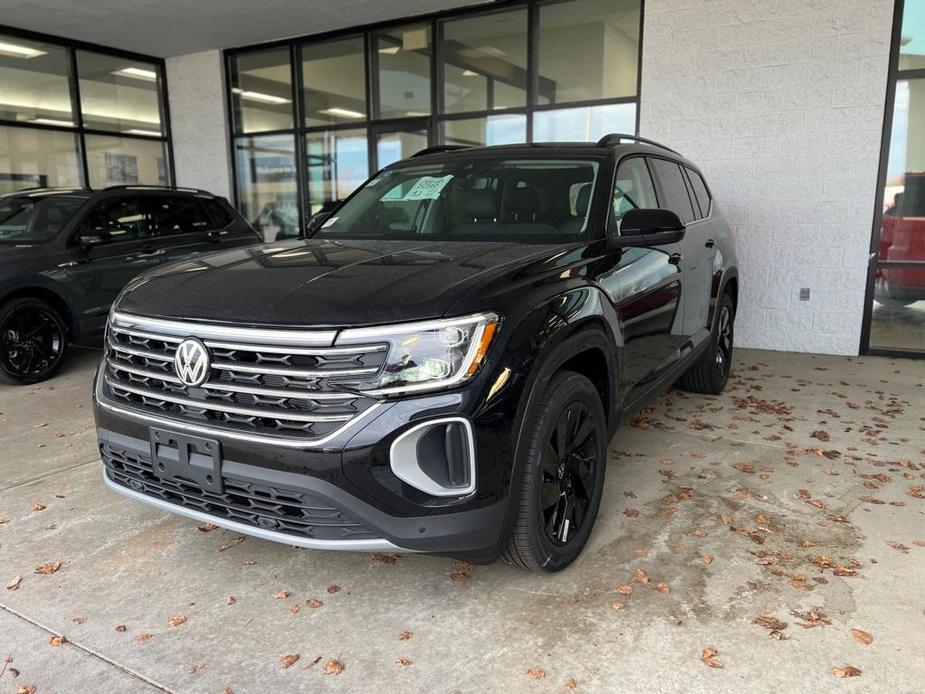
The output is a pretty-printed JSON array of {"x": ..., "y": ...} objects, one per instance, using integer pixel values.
[
  {"x": 404, "y": 662},
  {"x": 14, "y": 584},
  {"x": 313, "y": 603},
  {"x": 462, "y": 571},
  {"x": 535, "y": 673},
  {"x": 862, "y": 637},
  {"x": 57, "y": 640},
  {"x": 177, "y": 620},
  {"x": 49, "y": 568},
  {"x": 288, "y": 660},
  {"x": 405, "y": 635},
  {"x": 709, "y": 657},
  {"x": 333, "y": 667},
  {"x": 846, "y": 671}
]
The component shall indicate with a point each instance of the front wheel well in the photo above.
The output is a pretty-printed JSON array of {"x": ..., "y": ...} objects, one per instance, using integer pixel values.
[
  {"x": 592, "y": 364},
  {"x": 732, "y": 288},
  {"x": 49, "y": 297}
]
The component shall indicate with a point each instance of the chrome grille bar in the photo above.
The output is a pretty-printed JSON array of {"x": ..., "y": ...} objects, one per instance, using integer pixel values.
[
  {"x": 218, "y": 407},
  {"x": 294, "y": 373}
]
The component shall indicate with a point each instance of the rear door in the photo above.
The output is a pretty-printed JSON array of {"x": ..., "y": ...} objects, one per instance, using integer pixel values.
[
  {"x": 675, "y": 195},
  {"x": 180, "y": 225},
  {"x": 701, "y": 238},
  {"x": 112, "y": 244}
]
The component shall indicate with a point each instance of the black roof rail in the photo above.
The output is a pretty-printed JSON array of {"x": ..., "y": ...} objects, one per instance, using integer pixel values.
[
  {"x": 612, "y": 139},
  {"x": 437, "y": 149},
  {"x": 144, "y": 186}
]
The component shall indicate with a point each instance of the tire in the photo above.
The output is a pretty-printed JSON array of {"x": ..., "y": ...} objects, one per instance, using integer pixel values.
[
  {"x": 544, "y": 535},
  {"x": 33, "y": 341},
  {"x": 711, "y": 372},
  {"x": 886, "y": 295}
]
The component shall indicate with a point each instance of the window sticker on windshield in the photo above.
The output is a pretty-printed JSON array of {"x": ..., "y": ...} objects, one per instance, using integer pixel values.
[
  {"x": 329, "y": 222},
  {"x": 427, "y": 188}
]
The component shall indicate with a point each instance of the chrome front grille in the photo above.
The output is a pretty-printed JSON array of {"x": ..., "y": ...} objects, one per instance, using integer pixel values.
[{"x": 267, "y": 383}]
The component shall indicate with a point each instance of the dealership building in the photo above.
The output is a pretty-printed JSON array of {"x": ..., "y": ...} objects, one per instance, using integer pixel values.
[{"x": 807, "y": 118}]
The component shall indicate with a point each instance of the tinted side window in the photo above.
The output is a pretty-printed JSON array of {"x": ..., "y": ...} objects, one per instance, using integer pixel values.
[
  {"x": 673, "y": 187},
  {"x": 123, "y": 219},
  {"x": 177, "y": 215},
  {"x": 221, "y": 216},
  {"x": 633, "y": 188},
  {"x": 700, "y": 190}
]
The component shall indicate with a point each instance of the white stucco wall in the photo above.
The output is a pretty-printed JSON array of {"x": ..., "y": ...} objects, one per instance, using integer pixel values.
[
  {"x": 198, "y": 121},
  {"x": 781, "y": 103}
]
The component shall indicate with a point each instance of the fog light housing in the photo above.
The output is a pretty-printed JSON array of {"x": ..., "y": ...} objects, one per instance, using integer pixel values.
[{"x": 437, "y": 457}]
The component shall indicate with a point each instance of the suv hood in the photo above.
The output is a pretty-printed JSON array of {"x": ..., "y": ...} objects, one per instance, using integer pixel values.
[{"x": 323, "y": 282}]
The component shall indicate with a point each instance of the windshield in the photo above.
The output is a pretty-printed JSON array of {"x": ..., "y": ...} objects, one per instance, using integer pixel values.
[
  {"x": 34, "y": 220},
  {"x": 485, "y": 199}
]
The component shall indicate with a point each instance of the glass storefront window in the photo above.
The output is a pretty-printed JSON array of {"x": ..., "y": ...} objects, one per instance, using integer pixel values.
[
  {"x": 337, "y": 162},
  {"x": 588, "y": 49},
  {"x": 120, "y": 94},
  {"x": 485, "y": 62},
  {"x": 126, "y": 160},
  {"x": 334, "y": 82},
  {"x": 261, "y": 91},
  {"x": 34, "y": 85},
  {"x": 395, "y": 146},
  {"x": 403, "y": 78},
  {"x": 912, "y": 46},
  {"x": 583, "y": 124},
  {"x": 266, "y": 184},
  {"x": 33, "y": 158},
  {"x": 494, "y": 130}
]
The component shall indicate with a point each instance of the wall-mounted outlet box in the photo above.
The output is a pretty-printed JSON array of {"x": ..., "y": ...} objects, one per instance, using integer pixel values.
[{"x": 804, "y": 294}]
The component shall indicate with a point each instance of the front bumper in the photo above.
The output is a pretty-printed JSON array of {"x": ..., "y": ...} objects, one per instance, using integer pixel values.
[{"x": 340, "y": 497}]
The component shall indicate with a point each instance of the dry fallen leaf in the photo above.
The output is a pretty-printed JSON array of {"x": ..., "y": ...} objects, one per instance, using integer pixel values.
[
  {"x": 640, "y": 576},
  {"x": 177, "y": 621},
  {"x": 237, "y": 541},
  {"x": 38, "y": 507},
  {"x": 384, "y": 559},
  {"x": 26, "y": 689},
  {"x": 333, "y": 667},
  {"x": 294, "y": 608},
  {"x": 56, "y": 641},
  {"x": 230, "y": 600},
  {"x": 282, "y": 595},
  {"x": 769, "y": 622},
  {"x": 535, "y": 673},
  {"x": 847, "y": 671},
  {"x": 862, "y": 636},
  {"x": 709, "y": 657},
  {"x": 143, "y": 637},
  {"x": 313, "y": 603},
  {"x": 462, "y": 571},
  {"x": 707, "y": 558},
  {"x": 333, "y": 589},
  {"x": 631, "y": 513},
  {"x": 207, "y": 528},
  {"x": 617, "y": 605},
  {"x": 14, "y": 584},
  {"x": 405, "y": 635},
  {"x": 48, "y": 568},
  {"x": 404, "y": 662},
  {"x": 121, "y": 628},
  {"x": 571, "y": 684},
  {"x": 625, "y": 589},
  {"x": 288, "y": 660}
]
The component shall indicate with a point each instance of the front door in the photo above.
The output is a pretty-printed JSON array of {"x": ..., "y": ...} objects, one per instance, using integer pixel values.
[{"x": 112, "y": 245}]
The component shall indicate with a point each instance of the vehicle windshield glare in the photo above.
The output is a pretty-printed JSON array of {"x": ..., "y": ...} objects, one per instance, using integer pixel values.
[
  {"x": 34, "y": 220},
  {"x": 486, "y": 199}
]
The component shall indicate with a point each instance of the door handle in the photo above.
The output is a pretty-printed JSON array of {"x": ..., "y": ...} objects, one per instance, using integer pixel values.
[
  {"x": 675, "y": 258},
  {"x": 711, "y": 243}
]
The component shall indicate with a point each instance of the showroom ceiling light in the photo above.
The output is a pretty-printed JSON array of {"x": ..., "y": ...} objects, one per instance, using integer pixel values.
[
  {"x": 138, "y": 73},
  {"x": 14, "y": 50},
  {"x": 139, "y": 131},
  {"x": 470, "y": 73},
  {"x": 390, "y": 50},
  {"x": 342, "y": 112},
  {"x": 260, "y": 96},
  {"x": 53, "y": 121}
]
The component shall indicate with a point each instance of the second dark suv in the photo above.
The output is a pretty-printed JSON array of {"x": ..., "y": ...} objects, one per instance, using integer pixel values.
[
  {"x": 65, "y": 254},
  {"x": 439, "y": 368}
]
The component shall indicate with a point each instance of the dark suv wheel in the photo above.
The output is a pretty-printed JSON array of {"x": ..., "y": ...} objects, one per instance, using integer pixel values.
[
  {"x": 711, "y": 372},
  {"x": 560, "y": 489},
  {"x": 33, "y": 339}
]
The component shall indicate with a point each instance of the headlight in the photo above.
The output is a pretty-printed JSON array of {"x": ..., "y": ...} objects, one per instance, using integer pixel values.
[{"x": 426, "y": 355}]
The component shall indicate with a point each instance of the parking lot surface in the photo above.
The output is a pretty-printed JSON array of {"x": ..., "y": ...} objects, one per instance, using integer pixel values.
[{"x": 768, "y": 539}]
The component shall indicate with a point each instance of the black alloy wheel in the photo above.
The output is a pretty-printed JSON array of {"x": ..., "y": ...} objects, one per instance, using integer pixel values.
[
  {"x": 723, "y": 350},
  {"x": 558, "y": 491},
  {"x": 33, "y": 340},
  {"x": 569, "y": 463}
]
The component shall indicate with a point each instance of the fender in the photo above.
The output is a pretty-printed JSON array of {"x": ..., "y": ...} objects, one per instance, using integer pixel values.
[
  {"x": 44, "y": 287},
  {"x": 720, "y": 281}
]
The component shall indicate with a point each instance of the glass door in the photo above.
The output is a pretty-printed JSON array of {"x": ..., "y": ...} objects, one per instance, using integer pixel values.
[
  {"x": 895, "y": 311},
  {"x": 394, "y": 143}
]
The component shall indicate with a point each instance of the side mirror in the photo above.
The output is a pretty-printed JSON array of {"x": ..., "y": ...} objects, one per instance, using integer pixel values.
[
  {"x": 650, "y": 228},
  {"x": 91, "y": 239},
  {"x": 314, "y": 224}
]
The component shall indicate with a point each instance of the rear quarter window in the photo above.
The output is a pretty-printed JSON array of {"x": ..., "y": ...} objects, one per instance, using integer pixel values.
[
  {"x": 673, "y": 187},
  {"x": 700, "y": 190}
]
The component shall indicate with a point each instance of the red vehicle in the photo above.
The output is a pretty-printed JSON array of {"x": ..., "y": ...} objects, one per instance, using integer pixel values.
[{"x": 902, "y": 238}]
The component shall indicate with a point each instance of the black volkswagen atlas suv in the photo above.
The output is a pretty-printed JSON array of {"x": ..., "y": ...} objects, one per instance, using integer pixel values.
[
  {"x": 66, "y": 253},
  {"x": 439, "y": 367}
]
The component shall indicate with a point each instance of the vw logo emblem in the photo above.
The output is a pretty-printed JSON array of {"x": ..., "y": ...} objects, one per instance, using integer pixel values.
[{"x": 191, "y": 362}]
